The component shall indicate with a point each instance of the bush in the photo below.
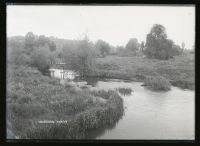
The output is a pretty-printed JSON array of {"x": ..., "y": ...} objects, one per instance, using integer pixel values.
[
  {"x": 184, "y": 84},
  {"x": 102, "y": 93},
  {"x": 40, "y": 59},
  {"x": 125, "y": 91},
  {"x": 157, "y": 83}
]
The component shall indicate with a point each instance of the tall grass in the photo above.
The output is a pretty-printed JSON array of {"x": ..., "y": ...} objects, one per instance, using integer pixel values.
[
  {"x": 124, "y": 91},
  {"x": 157, "y": 83},
  {"x": 103, "y": 93}
]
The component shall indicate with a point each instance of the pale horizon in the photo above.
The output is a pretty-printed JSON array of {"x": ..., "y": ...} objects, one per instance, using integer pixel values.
[{"x": 113, "y": 24}]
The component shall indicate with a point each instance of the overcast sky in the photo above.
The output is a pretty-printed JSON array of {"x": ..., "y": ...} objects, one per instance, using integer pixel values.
[{"x": 114, "y": 24}]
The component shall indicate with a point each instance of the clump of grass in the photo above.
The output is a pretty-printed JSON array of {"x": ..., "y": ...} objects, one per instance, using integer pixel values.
[
  {"x": 102, "y": 93},
  {"x": 158, "y": 83},
  {"x": 124, "y": 91}
]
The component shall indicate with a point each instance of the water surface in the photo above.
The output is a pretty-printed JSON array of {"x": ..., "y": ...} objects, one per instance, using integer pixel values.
[{"x": 151, "y": 115}]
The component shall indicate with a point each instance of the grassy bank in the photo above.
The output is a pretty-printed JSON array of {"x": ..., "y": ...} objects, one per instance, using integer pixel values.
[
  {"x": 179, "y": 70},
  {"x": 32, "y": 97}
]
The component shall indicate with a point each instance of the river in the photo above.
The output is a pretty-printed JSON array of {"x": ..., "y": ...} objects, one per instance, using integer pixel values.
[{"x": 148, "y": 114}]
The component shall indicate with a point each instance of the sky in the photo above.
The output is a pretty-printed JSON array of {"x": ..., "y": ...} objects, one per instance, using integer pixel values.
[{"x": 113, "y": 24}]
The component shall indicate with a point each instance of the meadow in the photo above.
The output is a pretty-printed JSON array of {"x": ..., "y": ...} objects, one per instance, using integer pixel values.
[{"x": 179, "y": 71}]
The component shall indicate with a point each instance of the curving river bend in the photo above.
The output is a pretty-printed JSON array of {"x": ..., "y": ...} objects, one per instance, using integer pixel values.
[{"x": 149, "y": 114}]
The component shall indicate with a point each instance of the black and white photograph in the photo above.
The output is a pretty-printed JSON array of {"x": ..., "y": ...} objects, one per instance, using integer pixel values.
[{"x": 100, "y": 72}]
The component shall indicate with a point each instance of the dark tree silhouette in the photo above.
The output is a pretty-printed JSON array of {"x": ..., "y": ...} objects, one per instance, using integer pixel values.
[{"x": 158, "y": 46}]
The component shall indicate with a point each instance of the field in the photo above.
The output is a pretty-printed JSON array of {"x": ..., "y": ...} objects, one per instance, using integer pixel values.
[{"x": 179, "y": 70}]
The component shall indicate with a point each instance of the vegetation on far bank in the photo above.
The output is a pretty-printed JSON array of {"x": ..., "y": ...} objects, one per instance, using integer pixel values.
[{"x": 180, "y": 70}]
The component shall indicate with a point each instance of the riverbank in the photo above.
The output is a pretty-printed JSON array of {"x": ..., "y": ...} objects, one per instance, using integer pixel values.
[
  {"x": 178, "y": 71},
  {"x": 39, "y": 107}
]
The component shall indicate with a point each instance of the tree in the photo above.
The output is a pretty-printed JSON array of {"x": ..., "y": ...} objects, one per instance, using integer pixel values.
[
  {"x": 103, "y": 47},
  {"x": 177, "y": 50},
  {"x": 52, "y": 46},
  {"x": 142, "y": 46},
  {"x": 183, "y": 45},
  {"x": 119, "y": 49},
  {"x": 30, "y": 40},
  {"x": 80, "y": 58},
  {"x": 158, "y": 32},
  {"x": 85, "y": 56},
  {"x": 52, "y": 57},
  {"x": 133, "y": 45},
  {"x": 40, "y": 58},
  {"x": 157, "y": 45},
  {"x": 43, "y": 40},
  {"x": 15, "y": 52}
]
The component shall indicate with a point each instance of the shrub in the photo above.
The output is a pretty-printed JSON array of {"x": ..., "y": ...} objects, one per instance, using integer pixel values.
[
  {"x": 124, "y": 91},
  {"x": 185, "y": 84},
  {"x": 102, "y": 93},
  {"x": 40, "y": 59},
  {"x": 157, "y": 83}
]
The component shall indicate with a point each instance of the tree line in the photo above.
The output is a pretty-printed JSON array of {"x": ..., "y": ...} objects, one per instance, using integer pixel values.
[{"x": 41, "y": 51}]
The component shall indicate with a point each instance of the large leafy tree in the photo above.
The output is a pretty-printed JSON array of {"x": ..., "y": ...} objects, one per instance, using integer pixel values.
[
  {"x": 133, "y": 45},
  {"x": 103, "y": 47},
  {"x": 41, "y": 59},
  {"x": 157, "y": 45},
  {"x": 80, "y": 57}
]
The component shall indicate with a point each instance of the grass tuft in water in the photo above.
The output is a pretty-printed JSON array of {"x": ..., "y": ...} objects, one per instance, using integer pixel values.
[
  {"x": 124, "y": 91},
  {"x": 157, "y": 83}
]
